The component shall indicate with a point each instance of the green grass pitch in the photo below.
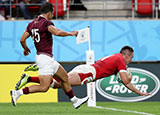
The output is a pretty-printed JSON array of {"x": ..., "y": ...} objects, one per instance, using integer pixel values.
[{"x": 65, "y": 108}]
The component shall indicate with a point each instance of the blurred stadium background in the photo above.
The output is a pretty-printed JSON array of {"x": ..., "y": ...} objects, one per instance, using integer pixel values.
[{"x": 113, "y": 23}]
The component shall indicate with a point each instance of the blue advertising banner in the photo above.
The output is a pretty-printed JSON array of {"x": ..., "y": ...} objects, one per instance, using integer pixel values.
[{"x": 107, "y": 37}]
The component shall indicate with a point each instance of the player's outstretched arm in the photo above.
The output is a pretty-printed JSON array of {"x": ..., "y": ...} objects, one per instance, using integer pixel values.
[
  {"x": 126, "y": 78},
  {"x": 57, "y": 32},
  {"x": 132, "y": 88}
]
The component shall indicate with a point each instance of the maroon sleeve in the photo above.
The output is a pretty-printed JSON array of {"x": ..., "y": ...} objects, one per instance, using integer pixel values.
[
  {"x": 50, "y": 23},
  {"x": 121, "y": 64}
]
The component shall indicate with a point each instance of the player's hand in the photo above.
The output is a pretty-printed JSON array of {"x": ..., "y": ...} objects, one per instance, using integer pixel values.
[
  {"x": 74, "y": 33},
  {"x": 26, "y": 52}
]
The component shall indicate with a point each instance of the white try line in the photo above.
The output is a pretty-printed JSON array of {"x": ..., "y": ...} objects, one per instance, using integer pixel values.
[{"x": 114, "y": 109}]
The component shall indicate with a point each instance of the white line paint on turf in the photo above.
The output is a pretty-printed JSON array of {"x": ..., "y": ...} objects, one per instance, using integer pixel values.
[{"x": 129, "y": 111}]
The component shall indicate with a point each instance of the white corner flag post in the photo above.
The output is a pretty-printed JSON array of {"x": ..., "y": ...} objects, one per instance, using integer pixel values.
[
  {"x": 91, "y": 90},
  {"x": 83, "y": 36}
]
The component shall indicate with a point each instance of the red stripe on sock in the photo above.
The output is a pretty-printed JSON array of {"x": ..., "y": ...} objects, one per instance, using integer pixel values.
[
  {"x": 70, "y": 94},
  {"x": 34, "y": 79},
  {"x": 26, "y": 90},
  {"x": 57, "y": 79}
]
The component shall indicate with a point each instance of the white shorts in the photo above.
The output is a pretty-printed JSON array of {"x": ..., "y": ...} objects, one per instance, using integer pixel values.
[
  {"x": 85, "y": 69},
  {"x": 46, "y": 64}
]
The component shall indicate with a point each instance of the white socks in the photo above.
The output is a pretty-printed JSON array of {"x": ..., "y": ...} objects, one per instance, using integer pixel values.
[
  {"x": 19, "y": 92},
  {"x": 74, "y": 99}
]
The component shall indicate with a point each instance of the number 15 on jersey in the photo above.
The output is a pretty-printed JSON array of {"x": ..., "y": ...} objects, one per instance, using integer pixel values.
[{"x": 35, "y": 35}]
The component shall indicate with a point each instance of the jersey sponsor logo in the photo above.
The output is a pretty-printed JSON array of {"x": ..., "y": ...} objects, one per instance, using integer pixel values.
[{"x": 143, "y": 80}]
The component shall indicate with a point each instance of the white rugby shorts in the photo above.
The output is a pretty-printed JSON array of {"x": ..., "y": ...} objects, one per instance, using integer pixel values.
[
  {"x": 47, "y": 65},
  {"x": 85, "y": 69}
]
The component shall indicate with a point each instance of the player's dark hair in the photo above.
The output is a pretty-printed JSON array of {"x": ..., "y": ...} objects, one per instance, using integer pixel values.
[
  {"x": 126, "y": 49},
  {"x": 46, "y": 7}
]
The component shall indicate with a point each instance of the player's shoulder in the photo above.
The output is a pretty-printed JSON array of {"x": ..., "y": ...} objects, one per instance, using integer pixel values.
[
  {"x": 50, "y": 22},
  {"x": 120, "y": 58},
  {"x": 118, "y": 55},
  {"x": 31, "y": 23},
  {"x": 47, "y": 22},
  {"x": 29, "y": 26}
]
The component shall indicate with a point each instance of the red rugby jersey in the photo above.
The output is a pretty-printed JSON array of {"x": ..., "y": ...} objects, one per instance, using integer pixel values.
[{"x": 109, "y": 65}]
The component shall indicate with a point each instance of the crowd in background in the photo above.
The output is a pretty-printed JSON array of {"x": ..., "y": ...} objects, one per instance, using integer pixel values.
[{"x": 6, "y": 7}]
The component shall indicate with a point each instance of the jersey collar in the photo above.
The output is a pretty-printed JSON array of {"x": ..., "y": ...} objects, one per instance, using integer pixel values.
[{"x": 43, "y": 17}]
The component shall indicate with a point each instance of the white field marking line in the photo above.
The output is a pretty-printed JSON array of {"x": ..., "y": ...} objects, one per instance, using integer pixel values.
[{"x": 129, "y": 111}]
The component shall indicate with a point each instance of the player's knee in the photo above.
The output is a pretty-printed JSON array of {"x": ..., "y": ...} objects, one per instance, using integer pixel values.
[
  {"x": 57, "y": 85},
  {"x": 44, "y": 89}
]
